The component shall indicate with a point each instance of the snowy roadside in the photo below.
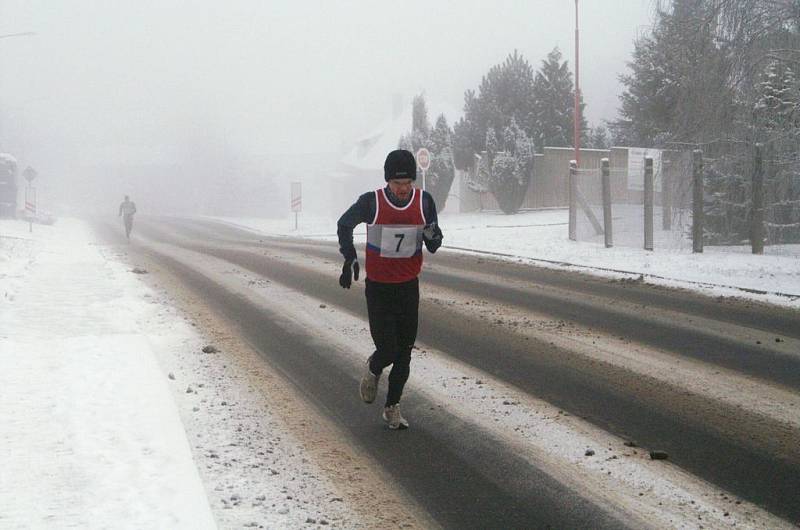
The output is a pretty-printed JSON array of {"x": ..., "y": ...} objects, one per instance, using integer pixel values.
[
  {"x": 91, "y": 437},
  {"x": 111, "y": 416},
  {"x": 541, "y": 236}
]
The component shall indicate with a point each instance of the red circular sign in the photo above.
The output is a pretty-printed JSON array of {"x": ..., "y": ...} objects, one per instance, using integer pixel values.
[
  {"x": 423, "y": 159},
  {"x": 29, "y": 173}
]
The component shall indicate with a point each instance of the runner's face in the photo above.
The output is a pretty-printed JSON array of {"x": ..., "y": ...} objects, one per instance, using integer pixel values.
[{"x": 401, "y": 187}]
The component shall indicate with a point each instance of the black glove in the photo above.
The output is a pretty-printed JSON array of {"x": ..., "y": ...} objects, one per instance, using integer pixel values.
[
  {"x": 349, "y": 270},
  {"x": 432, "y": 235}
]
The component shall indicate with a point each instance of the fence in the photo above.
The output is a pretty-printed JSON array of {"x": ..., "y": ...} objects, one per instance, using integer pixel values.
[
  {"x": 643, "y": 203},
  {"x": 752, "y": 193},
  {"x": 732, "y": 193},
  {"x": 548, "y": 185}
]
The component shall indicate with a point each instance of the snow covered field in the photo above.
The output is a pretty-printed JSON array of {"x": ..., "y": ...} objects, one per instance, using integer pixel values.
[
  {"x": 91, "y": 436},
  {"x": 111, "y": 417}
]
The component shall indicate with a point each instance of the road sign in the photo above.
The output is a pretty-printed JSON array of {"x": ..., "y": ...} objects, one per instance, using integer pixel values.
[
  {"x": 636, "y": 156},
  {"x": 30, "y": 201},
  {"x": 297, "y": 200},
  {"x": 297, "y": 197},
  {"x": 29, "y": 173},
  {"x": 423, "y": 159},
  {"x": 30, "y": 205}
]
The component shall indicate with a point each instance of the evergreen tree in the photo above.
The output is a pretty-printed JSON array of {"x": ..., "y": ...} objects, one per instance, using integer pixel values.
[
  {"x": 725, "y": 204},
  {"x": 505, "y": 92},
  {"x": 777, "y": 107},
  {"x": 419, "y": 120},
  {"x": 648, "y": 99},
  {"x": 777, "y": 126},
  {"x": 420, "y": 127},
  {"x": 441, "y": 173},
  {"x": 438, "y": 141},
  {"x": 510, "y": 166},
  {"x": 721, "y": 75},
  {"x": 598, "y": 138},
  {"x": 468, "y": 136},
  {"x": 554, "y": 107},
  {"x": 679, "y": 88},
  {"x": 492, "y": 143},
  {"x": 440, "y": 134},
  {"x": 505, "y": 100}
]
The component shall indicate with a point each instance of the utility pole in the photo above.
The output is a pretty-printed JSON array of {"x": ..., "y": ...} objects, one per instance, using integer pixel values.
[{"x": 577, "y": 112}]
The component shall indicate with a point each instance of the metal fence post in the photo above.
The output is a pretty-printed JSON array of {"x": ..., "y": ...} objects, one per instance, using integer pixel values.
[
  {"x": 697, "y": 201},
  {"x": 648, "y": 203},
  {"x": 606, "y": 181},
  {"x": 666, "y": 194},
  {"x": 573, "y": 192},
  {"x": 757, "y": 218}
]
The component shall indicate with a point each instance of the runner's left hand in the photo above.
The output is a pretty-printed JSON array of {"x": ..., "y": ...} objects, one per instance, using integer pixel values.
[{"x": 432, "y": 235}]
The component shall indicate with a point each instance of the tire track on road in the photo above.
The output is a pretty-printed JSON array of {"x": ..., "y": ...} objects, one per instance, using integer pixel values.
[
  {"x": 495, "y": 487},
  {"x": 575, "y": 385}
]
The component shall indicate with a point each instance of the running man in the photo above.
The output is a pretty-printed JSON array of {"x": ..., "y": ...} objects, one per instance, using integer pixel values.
[
  {"x": 399, "y": 219},
  {"x": 126, "y": 210}
]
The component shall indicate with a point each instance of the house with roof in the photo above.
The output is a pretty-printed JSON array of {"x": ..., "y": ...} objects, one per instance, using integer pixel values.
[{"x": 361, "y": 167}]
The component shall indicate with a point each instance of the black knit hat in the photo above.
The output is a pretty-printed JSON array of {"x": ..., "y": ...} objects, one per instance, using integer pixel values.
[{"x": 400, "y": 164}]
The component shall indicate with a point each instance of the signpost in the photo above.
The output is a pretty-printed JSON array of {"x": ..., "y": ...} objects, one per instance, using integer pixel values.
[
  {"x": 424, "y": 162},
  {"x": 636, "y": 156},
  {"x": 30, "y": 196},
  {"x": 297, "y": 200}
]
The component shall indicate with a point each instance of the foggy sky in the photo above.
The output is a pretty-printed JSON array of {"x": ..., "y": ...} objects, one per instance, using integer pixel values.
[{"x": 140, "y": 80}]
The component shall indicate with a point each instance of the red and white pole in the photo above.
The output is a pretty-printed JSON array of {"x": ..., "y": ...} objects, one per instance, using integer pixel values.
[{"x": 577, "y": 112}]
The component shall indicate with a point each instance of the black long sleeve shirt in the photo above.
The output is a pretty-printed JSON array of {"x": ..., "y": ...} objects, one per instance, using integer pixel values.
[{"x": 363, "y": 211}]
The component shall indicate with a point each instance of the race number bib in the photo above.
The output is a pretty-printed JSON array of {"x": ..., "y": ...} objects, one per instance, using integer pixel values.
[{"x": 398, "y": 242}]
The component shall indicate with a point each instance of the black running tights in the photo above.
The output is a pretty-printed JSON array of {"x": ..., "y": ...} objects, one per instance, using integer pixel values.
[{"x": 393, "y": 310}]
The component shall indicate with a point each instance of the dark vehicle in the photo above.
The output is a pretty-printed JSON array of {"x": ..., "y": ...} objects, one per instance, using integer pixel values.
[{"x": 8, "y": 186}]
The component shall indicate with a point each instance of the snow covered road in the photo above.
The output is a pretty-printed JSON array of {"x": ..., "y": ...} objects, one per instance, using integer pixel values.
[
  {"x": 714, "y": 440},
  {"x": 528, "y": 390}
]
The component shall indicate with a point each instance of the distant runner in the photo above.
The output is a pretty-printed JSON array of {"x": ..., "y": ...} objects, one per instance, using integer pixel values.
[
  {"x": 399, "y": 219},
  {"x": 126, "y": 209}
]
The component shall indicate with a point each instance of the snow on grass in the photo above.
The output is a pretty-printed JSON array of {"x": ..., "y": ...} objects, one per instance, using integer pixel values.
[
  {"x": 541, "y": 236},
  {"x": 90, "y": 435}
]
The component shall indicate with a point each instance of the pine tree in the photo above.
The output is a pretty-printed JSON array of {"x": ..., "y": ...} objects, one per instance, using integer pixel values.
[
  {"x": 419, "y": 120},
  {"x": 505, "y": 92},
  {"x": 679, "y": 88},
  {"x": 438, "y": 141},
  {"x": 777, "y": 107},
  {"x": 420, "y": 127},
  {"x": 554, "y": 106},
  {"x": 777, "y": 126},
  {"x": 598, "y": 138},
  {"x": 442, "y": 170},
  {"x": 468, "y": 135},
  {"x": 649, "y": 98},
  {"x": 504, "y": 97},
  {"x": 510, "y": 166},
  {"x": 721, "y": 75},
  {"x": 725, "y": 205}
]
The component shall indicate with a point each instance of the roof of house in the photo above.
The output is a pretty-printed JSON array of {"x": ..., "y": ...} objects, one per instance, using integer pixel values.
[{"x": 369, "y": 151}]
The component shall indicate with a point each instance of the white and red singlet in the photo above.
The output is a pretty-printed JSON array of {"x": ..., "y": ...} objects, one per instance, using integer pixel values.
[{"x": 394, "y": 239}]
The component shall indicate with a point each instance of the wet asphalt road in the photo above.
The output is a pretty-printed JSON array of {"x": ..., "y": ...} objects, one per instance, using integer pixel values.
[{"x": 464, "y": 476}]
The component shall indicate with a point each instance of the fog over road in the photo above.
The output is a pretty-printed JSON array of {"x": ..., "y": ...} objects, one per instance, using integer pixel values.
[{"x": 713, "y": 382}]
